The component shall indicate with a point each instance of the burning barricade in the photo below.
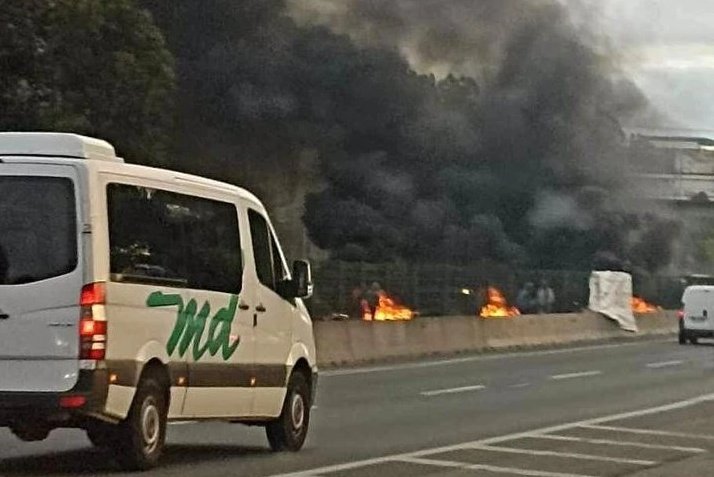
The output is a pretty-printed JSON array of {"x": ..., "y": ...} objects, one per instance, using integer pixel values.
[
  {"x": 641, "y": 306},
  {"x": 377, "y": 305},
  {"x": 493, "y": 303},
  {"x": 497, "y": 306},
  {"x": 387, "y": 310}
]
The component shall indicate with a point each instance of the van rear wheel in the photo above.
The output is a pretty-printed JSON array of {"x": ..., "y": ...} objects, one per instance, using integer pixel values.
[
  {"x": 288, "y": 432},
  {"x": 141, "y": 436}
]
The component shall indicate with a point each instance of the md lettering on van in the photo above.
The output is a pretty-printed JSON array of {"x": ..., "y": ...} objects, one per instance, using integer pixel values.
[{"x": 191, "y": 324}]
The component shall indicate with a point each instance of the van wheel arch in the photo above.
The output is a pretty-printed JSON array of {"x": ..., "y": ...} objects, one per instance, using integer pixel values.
[
  {"x": 158, "y": 370},
  {"x": 302, "y": 367}
]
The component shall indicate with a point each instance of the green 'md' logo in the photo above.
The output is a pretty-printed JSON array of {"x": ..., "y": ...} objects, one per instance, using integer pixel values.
[{"x": 191, "y": 323}]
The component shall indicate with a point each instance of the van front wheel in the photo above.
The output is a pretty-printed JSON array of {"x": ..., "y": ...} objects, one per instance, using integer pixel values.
[
  {"x": 288, "y": 432},
  {"x": 142, "y": 434}
]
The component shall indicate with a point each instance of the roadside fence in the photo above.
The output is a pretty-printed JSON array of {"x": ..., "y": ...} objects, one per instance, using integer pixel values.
[{"x": 438, "y": 289}]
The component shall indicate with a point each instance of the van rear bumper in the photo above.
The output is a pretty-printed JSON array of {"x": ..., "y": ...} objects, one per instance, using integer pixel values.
[
  {"x": 695, "y": 333},
  {"x": 18, "y": 407}
]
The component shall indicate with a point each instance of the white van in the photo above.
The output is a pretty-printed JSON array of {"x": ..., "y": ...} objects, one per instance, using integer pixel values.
[
  {"x": 132, "y": 296},
  {"x": 697, "y": 319}
]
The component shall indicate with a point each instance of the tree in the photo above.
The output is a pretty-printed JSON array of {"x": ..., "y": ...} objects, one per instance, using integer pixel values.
[{"x": 87, "y": 66}]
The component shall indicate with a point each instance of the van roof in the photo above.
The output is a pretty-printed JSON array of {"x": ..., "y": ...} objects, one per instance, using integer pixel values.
[
  {"x": 56, "y": 145},
  {"x": 168, "y": 175},
  {"x": 696, "y": 290},
  {"x": 75, "y": 146}
]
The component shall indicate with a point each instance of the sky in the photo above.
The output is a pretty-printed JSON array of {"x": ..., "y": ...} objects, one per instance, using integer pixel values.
[{"x": 667, "y": 47}]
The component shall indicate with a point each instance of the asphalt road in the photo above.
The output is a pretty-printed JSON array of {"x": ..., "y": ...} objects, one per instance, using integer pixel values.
[{"x": 573, "y": 412}]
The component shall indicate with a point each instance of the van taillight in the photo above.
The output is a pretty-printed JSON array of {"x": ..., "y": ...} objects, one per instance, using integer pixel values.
[
  {"x": 93, "y": 294},
  {"x": 680, "y": 314},
  {"x": 92, "y": 322}
]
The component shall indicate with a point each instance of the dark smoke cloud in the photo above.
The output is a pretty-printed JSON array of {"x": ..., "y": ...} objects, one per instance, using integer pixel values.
[
  {"x": 463, "y": 37},
  {"x": 529, "y": 148},
  {"x": 446, "y": 131}
]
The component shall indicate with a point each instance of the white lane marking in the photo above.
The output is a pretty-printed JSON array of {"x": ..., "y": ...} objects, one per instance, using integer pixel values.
[
  {"x": 182, "y": 423},
  {"x": 488, "y": 468},
  {"x": 664, "y": 364},
  {"x": 519, "y": 385},
  {"x": 464, "y": 389},
  {"x": 705, "y": 398},
  {"x": 438, "y": 463},
  {"x": 651, "y": 432},
  {"x": 584, "y": 374},
  {"x": 571, "y": 455},
  {"x": 471, "y": 359},
  {"x": 611, "y": 442}
]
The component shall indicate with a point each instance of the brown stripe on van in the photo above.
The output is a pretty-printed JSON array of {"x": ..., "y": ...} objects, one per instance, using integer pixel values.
[
  {"x": 127, "y": 372},
  {"x": 178, "y": 374},
  {"x": 123, "y": 372},
  {"x": 203, "y": 375},
  {"x": 213, "y": 375},
  {"x": 210, "y": 375},
  {"x": 270, "y": 376}
]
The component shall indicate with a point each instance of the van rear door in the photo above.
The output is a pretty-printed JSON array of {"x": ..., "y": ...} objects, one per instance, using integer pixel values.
[
  {"x": 40, "y": 277},
  {"x": 699, "y": 308}
]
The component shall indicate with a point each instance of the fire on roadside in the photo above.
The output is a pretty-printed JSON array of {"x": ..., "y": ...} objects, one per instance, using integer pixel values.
[
  {"x": 639, "y": 305},
  {"x": 497, "y": 306},
  {"x": 387, "y": 310}
]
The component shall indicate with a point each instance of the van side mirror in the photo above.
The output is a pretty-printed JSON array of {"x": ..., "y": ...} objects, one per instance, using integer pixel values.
[{"x": 302, "y": 279}]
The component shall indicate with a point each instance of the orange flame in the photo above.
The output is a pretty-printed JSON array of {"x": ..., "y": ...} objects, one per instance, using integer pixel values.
[
  {"x": 641, "y": 306},
  {"x": 497, "y": 306},
  {"x": 387, "y": 310}
]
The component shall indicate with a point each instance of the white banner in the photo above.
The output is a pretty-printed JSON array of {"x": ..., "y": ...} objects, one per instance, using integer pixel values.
[{"x": 611, "y": 295}]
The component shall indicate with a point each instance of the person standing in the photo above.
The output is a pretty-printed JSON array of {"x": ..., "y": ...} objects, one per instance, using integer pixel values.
[
  {"x": 545, "y": 297},
  {"x": 371, "y": 296},
  {"x": 356, "y": 310},
  {"x": 527, "y": 300}
]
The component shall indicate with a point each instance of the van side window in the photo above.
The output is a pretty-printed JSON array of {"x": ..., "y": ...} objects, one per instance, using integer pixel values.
[
  {"x": 268, "y": 264},
  {"x": 173, "y": 239}
]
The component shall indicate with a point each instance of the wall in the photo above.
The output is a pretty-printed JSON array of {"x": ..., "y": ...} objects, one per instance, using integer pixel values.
[{"x": 352, "y": 342}]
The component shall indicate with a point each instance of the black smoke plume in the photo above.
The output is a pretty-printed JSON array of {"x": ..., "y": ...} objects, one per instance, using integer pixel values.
[{"x": 446, "y": 131}]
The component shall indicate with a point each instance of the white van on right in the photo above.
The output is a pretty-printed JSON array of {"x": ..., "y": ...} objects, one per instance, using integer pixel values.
[{"x": 697, "y": 319}]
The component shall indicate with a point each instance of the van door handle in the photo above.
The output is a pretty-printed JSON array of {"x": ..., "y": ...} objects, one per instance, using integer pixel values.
[
  {"x": 4, "y": 316},
  {"x": 260, "y": 308},
  {"x": 243, "y": 306}
]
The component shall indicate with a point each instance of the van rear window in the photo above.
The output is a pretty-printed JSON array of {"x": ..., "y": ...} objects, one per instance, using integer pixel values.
[{"x": 38, "y": 228}]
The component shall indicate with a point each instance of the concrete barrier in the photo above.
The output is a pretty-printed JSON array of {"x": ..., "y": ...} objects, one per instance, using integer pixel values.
[{"x": 341, "y": 343}]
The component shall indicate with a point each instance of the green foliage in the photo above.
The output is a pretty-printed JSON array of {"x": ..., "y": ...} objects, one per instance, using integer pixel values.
[{"x": 88, "y": 66}]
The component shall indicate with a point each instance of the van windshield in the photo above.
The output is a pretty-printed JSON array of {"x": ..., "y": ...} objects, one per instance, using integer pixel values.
[{"x": 38, "y": 228}]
